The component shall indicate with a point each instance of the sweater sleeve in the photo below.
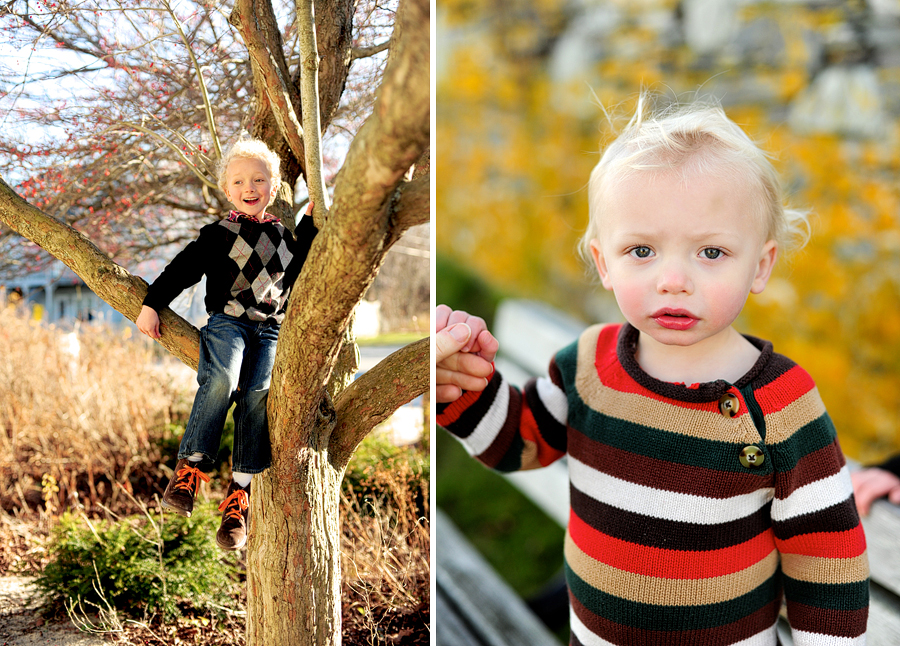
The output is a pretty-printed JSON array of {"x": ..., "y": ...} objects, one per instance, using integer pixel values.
[
  {"x": 509, "y": 429},
  {"x": 300, "y": 244},
  {"x": 185, "y": 270},
  {"x": 817, "y": 529}
]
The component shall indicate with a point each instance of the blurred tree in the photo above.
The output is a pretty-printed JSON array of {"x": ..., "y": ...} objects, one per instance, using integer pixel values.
[
  {"x": 178, "y": 88},
  {"x": 520, "y": 87}
]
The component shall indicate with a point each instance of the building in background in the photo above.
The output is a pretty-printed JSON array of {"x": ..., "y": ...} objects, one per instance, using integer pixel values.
[{"x": 57, "y": 295}]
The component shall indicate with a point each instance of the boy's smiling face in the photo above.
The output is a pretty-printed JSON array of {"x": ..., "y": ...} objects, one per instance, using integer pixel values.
[
  {"x": 680, "y": 256},
  {"x": 248, "y": 186}
]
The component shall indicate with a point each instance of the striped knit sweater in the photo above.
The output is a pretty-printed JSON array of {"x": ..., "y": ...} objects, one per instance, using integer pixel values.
[{"x": 694, "y": 510}]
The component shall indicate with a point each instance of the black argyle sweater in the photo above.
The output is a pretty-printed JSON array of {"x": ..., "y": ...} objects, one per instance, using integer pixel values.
[{"x": 250, "y": 266}]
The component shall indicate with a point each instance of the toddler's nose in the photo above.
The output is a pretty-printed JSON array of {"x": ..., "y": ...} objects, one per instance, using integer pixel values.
[{"x": 673, "y": 279}]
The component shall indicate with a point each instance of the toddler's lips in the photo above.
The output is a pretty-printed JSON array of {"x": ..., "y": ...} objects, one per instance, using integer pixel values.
[
  {"x": 251, "y": 201},
  {"x": 674, "y": 319}
]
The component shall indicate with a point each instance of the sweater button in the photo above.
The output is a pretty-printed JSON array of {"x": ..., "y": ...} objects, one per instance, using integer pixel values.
[
  {"x": 729, "y": 405},
  {"x": 752, "y": 457}
]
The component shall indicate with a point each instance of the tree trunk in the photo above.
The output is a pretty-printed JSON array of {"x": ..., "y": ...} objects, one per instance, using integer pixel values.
[{"x": 293, "y": 561}]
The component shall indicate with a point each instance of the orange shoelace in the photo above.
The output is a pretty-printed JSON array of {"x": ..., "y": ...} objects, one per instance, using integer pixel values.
[
  {"x": 188, "y": 478},
  {"x": 236, "y": 504}
]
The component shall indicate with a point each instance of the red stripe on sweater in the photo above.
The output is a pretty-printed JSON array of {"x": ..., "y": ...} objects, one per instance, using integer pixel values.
[
  {"x": 784, "y": 390},
  {"x": 668, "y": 564},
  {"x": 530, "y": 431},
  {"x": 834, "y": 545},
  {"x": 613, "y": 375},
  {"x": 457, "y": 408}
]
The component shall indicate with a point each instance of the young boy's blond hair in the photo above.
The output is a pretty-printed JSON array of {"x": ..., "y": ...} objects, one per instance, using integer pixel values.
[
  {"x": 249, "y": 148},
  {"x": 690, "y": 139}
]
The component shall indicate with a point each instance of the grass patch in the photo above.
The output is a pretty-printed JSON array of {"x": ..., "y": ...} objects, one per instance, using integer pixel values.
[{"x": 519, "y": 540}]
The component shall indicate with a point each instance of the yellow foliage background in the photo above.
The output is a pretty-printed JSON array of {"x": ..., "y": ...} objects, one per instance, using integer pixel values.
[{"x": 515, "y": 148}]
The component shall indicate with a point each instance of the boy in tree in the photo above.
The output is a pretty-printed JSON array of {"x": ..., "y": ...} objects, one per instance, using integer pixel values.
[{"x": 250, "y": 261}]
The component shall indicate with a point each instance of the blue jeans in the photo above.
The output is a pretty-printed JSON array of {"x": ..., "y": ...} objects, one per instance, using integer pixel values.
[{"x": 236, "y": 359}]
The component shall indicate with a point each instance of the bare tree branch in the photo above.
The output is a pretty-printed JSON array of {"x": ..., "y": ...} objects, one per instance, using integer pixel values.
[
  {"x": 412, "y": 205},
  {"x": 255, "y": 20},
  {"x": 207, "y": 105},
  {"x": 366, "y": 52},
  {"x": 309, "y": 96},
  {"x": 108, "y": 280},
  {"x": 375, "y": 395}
]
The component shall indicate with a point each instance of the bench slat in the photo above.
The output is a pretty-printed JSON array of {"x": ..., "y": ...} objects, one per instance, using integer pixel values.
[{"x": 476, "y": 607}]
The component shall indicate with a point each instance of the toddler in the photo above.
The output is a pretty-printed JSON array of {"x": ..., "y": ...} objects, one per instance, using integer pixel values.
[
  {"x": 250, "y": 261},
  {"x": 705, "y": 474}
]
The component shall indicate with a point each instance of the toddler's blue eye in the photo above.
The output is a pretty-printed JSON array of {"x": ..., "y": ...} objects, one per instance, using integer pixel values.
[
  {"x": 641, "y": 252},
  {"x": 712, "y": 253}
]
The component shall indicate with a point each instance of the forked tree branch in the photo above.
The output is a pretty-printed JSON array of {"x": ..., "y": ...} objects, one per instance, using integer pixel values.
[
  {"x": 255, "y": 21},
  {"x": 309, "y": 97},
  {"x": 350, "y": 248},
  {"x": 375, "y": 395},
  {"x": 111, "y": 282}
]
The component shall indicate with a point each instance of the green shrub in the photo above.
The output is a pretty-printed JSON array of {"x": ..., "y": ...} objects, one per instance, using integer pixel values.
[{"x": 141, "y": 565}]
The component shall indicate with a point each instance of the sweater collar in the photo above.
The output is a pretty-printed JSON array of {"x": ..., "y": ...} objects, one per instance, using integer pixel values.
[
  {"x": 234, "y": 216},
  {"x": 695, "y": 393}
]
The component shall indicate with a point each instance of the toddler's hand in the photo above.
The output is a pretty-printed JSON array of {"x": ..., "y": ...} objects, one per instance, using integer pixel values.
[
  {"x": 871, "y": 484},
  {"x": 481, "y": 342},
  {"x": 148, "y": 322},
  {"x": 465, "y": 350}
]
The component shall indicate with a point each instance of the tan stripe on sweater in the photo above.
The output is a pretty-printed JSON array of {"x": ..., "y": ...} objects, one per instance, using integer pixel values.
[
  {"x": 651, "y": 412},
  {"x": 668, "y": 592},
  {"x": 818, "y": 569}
]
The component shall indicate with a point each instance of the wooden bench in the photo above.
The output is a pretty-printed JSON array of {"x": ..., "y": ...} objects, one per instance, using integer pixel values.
[
  {"x": 473, "y": 605},
  {"x": 530, "y": 333}
]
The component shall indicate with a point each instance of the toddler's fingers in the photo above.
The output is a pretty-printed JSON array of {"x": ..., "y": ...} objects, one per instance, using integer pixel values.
[
  {"x": 894, "y": 496},
  {"x": 487, "y": 346},
  {"x": 441, "y": 316}
]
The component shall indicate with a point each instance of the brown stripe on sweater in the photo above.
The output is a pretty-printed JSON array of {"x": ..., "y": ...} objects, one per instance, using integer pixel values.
[
  {"x": 550, "y": 429},
  {"x": 663, "y": 474},
  {"x": 814, "y": 466},
  {"x": 501, "y": 444},
  {"x": 666, "y": 534},
  {"x": 842, "y": 623},
  {"x": 837, "y": 518}
]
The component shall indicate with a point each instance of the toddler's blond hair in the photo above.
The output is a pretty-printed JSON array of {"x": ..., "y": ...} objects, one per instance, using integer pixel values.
[
  {"x": 694, "y": 138},
  {"x": 250, "y": 148}
]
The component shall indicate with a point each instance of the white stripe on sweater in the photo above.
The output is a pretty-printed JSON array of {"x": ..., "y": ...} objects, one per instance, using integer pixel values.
[
  {"x": 554, "y": 399},
  {"x": 489, "y": 426},
  {"x": 814, "y": 496},
  {"x": 667, "y": 505}
]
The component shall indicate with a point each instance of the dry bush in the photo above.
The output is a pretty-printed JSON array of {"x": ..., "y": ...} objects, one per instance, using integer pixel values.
[
  {"x": 385, "y": 561},
  {"x": 76, "y": 413}
]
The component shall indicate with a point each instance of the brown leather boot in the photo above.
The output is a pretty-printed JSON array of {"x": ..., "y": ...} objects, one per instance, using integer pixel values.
[
  {"x": 232, "y": 534},
  {"x": 179, "y": 495}
]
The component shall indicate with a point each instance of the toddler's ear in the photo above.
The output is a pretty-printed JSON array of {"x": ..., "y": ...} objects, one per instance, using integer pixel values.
[
  {"x": 600, "y": 263},
  {"x": 767, "y": 259}
]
